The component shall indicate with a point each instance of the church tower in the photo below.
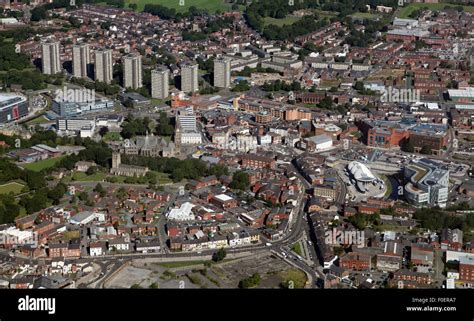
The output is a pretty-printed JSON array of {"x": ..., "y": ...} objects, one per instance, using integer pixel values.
[
  {"x": 177, "y": 134},
  {"x": 116, "y": 160}
]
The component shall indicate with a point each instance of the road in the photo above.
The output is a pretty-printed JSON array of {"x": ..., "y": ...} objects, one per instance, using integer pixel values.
[
  {"x": 162, "y": 237},
  {"x": 297, "y": 227}
]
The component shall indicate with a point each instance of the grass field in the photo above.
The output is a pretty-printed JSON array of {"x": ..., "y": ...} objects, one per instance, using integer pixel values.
[
  {"x": 159, "y": 102},
  {"x": 323, "y": 14},
  {"x": 330, "y": 83},
  {"x": 38, "y": 120},
  {"x": 386, "y": 73},
  {"x": 211, "y": 5},
  {"x": 71, "y": 235},
  {"x": 97, "y": 177},
  {"x": 11, "y": 187},
  {"x": 112, "y": 136},
  {"x": 297, "y": 248},
  {"x": 366, "y": 15},
  {"x": 39, "y": 166},
  {"x": 406, "y": 11},
  {"x": 388, "y": 184},
  {"x": 162, "y": 178},
  {"x": 281, "y": 22},
  {"x": 297, "y": 277}
]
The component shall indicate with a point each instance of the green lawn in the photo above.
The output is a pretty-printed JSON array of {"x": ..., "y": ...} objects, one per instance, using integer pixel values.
[
  {"x": 211, "y": 5},
  {"x": 71, "y": 235},
  {"x": 324, "y": 14},
  {"x": 157, "y": 102},
  {"x": 297, "y": 249},
  {"x": 406, "y": 11},
  {"x": 14, "y": 187},
  {"x": 388, "y": 184},
  {"x": 39, "y": 120},
  {"x": 289, "y": 20},
  {"x": 112, "y": 136},
  {"x": 162, "y": 178},
  {"x": 43, "y": 164},
  {"x": 366, "y": 15},
  {"x": 295, "y": 276},
  {"x": 97, "y": 177}
]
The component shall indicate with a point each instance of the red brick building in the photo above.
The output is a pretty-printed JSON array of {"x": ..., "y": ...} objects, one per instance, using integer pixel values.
[
  {"x": 224, "y": 201},
  {"x": 384, "y": 133},
  {"x": 257, "y": 161},
  {"x": 410, "y": 279},
  {"x": 466, "y": 268},
  {"x": 356, "y": 261}
]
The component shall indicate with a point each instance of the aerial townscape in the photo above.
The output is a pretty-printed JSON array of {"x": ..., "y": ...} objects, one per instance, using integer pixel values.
[{"x": 168, "y": 144}]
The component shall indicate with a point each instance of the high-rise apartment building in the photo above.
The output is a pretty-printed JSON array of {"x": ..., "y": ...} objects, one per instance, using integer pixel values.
[
  {"x": 103, "y": 65},
  {"x": 80, "y": 60},
  {"x": 160, "y": 83},
  {"x": 50, "y": 61},
  {"x": 132, "y": 71},
  {"x": 222, "y": 73},
  {"x": 189, "y": 78}
]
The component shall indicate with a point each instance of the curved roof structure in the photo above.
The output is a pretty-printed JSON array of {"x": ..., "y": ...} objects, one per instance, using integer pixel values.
[
  {"x": 361, "y": 172},
  {"x": 7, "y": 100}
]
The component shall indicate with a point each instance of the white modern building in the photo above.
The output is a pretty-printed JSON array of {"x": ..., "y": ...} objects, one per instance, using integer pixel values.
[
  {"x": 187, "y": 131},
  {"x": 361, "y": 173},
  {"x": 316, "y": 143},
  {"x": 86, "y": 217},
  {"x": 191, "y": 138},
  {"x": 74, "y": 124},
  {"x": 428, "y": 183},
  {"x": 183, "y": 213}
]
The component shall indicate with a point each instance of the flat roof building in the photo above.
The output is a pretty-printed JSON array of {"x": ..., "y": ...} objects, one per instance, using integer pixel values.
[
  {"x": 427, "y": 184},
  {"x": 12, "y": 107}
]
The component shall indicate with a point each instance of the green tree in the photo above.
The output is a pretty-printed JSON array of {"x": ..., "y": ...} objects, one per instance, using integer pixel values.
[
  {"x": 240, "y": 180},
  {"x": 91, "y": 170},
  {"x": 122, "y": 194},
  {"x": 426, "y": 150},
  {"x": 165, "y": 128},
  {"x": 358, "y": 220},
  {"x": 83, "y": 196},
  {"x": 407, "y": 146},
  {"x": 250, "y": 282},
  {"x": 100, "y": 189},
  {"x": 219, "y": 255},
  {"x": 57, "y": 193}
]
